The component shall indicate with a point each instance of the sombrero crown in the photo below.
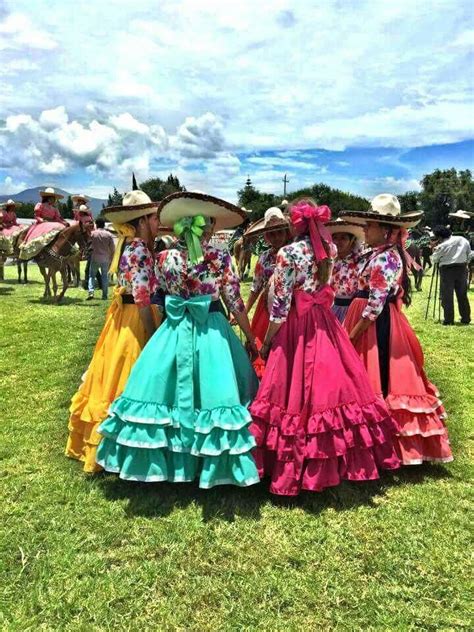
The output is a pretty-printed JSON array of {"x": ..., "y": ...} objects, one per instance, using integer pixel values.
[
  {"x": 274, "y": 219},
  {"x": 50, "y": 192},
  {"x": 384, "y": 208},
  {"x": 191, "y": 203},
  {"x": 79, "y": 196},
  {"x": 340, "y": 226},
  {"x": 135, "y": 204}
]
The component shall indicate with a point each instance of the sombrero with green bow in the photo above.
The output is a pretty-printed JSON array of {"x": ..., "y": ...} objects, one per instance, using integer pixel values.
[{"x": 187, "y": 211}]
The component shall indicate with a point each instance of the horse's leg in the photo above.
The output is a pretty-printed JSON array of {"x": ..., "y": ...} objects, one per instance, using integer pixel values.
[
  {"x": 53, "y": 273},
  {"x": 64, "y": 276},
  {"x": 25, "y": 271},
  {"x": 18, "y": 267},
  {"x": 44, "y": 274},
  {"x": 2, "y": 269}
]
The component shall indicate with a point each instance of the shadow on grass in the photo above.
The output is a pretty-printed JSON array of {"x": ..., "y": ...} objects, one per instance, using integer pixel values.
[
  {"x": 15, "y": 282},
  {"x": 67, "y": 300},
  {"x": 6, "y": 290},
  {"x": 157, "y": 500}
]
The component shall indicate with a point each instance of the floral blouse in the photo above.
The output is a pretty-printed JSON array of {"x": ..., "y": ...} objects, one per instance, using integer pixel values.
[
  {"x": 263, "y": 270},
  {"x": 380, "y": 276},
  {"x": 345, "y": 274},
  {"x": 47, "y": 212},
  {"x": 136, "y": 273},
  {"x": 8, "y": 219},
  {"x": 214, "y": 275},
  {"x": 295, "y": 269}
]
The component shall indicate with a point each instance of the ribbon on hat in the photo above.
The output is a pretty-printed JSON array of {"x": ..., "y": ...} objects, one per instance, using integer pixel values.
[
  {"x": 307, "y": 218},
  {"x": 191, "y": 228},
  {"x": 124, "y": 231}
]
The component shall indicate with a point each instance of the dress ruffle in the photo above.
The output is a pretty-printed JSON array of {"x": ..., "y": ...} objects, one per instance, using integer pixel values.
[
  {"x": 115, "y": 353},
  {"x": 184, "y": 413},
  {"x": 348, "y": 442},
  {"x": 33, "y": 245},
  {"x": 412, "y": 399},
  {"x": 316, "y": 419},
  {"x": 151, "y": 448}
]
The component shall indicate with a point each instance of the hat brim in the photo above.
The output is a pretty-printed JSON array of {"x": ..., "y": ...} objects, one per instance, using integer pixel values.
[
  {"x": 356, "y": 230},
  {"x": 407, "y": 220},
  {"x": 5, "y": 204},
  {"x": 189, "y": 204},
  {"x": 258, "y": 228},
  {"x": 76, "y": 198},
  {"x": 124, "y": 214},
  {"x": 58, "y": 196},
  {"x": 458, "y": 215}
]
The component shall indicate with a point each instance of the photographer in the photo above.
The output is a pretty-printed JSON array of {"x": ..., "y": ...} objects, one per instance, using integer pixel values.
[{"x": 452, "y": 254}]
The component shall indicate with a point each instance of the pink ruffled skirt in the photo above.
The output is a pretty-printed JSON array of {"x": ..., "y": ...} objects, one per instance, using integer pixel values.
[
  {"x": 412, "y": 399},
  {"x": 316, "y": 419}
]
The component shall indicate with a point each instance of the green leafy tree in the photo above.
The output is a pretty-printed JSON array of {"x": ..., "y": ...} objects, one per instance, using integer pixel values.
[
  {"x": 410, "y": 201},
  {"x": 446, "y": 191},
  {"x": 157, "y": 189},
  {"x": 26, "y": 210},
  {"x": 256, "y": 201},
  {"x": 115, "y": 198},
  {"x": 336, "y": 199},
  {"x": 66, "y": 209}
]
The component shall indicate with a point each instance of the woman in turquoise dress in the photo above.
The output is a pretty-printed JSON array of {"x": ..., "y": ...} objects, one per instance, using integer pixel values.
[{"x": 184, "y": 412}]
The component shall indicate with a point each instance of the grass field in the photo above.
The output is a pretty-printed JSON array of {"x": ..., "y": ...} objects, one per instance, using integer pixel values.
[{"x": 96, "y": 553}]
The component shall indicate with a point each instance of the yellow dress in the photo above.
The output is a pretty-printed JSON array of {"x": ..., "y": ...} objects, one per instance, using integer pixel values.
[{"x": 118, "y": 347}]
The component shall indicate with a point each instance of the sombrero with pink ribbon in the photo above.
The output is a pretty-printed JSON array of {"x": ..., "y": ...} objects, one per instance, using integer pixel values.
[{"x": 306, "y": 217}]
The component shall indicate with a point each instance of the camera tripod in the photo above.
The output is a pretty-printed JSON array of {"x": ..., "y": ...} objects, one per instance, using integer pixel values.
[{"x": 435, "y": 293}]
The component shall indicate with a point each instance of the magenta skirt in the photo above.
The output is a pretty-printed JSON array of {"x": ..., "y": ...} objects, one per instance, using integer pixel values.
[{"x": 316, "y": 419}]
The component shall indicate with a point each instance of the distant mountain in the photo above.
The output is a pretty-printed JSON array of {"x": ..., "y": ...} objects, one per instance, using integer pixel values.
[{"x": 32, "y": 195}]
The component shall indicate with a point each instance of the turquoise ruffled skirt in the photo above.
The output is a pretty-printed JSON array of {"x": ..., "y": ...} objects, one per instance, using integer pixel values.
[{"x": 184, "y": 412}]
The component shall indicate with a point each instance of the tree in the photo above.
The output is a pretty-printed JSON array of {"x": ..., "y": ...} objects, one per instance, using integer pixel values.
[
  {"x": 256, "y": 201},
  {"x": 115, "y": 199},
  {"x": 157, "y": 189},
  {"x": 445, "y": 191},
  {"x": 66, "y": 209},
  {"x": 409, "y": 201},
  {"x": 336, "y": 199}
]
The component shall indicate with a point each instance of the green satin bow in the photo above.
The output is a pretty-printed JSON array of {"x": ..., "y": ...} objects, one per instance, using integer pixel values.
[{"x": 191, "y": 228}]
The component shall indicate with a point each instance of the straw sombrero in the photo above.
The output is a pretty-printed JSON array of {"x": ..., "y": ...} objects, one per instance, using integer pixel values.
[
  {"x": 460, "y": 215},
  {"x": 50, "y": 192},
  {"x": 340, "y": 226},
  {"x": 191, "y": 203},
  {"x": 9, "y": 203},
  {"x": 79, "y": 197},
  {"x": 274, "y": 219},
  {"x": 135, "y": 204},
  {"x": 384, "y": 208}
]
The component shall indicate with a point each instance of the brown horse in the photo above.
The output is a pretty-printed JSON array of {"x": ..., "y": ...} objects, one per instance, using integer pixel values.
[{"x": 56, "y": 256}]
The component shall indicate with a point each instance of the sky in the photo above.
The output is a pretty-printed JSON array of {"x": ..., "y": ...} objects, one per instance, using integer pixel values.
[{"x": 363, "y": 95}]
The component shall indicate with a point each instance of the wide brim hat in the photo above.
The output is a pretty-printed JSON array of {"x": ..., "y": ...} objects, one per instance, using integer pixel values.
[
  {"x": 191, "y": 203},
  {"x": 273, "y": 220},
  {"x": 50, "y": 192},
  {"x": 340, "y": 226},
  {"x": 9, "y": 203},
  {"x": 77, "y": 197},
  {"x": 384, "y": 208},
  {"x": 135, "y": 204},
  {"x": 460, "y": 215}
]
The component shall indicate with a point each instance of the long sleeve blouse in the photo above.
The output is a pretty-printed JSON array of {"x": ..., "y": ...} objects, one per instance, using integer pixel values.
[
  {"x": 135, "y": 273},
  {"x": 296, "y": 269},
  {"x": 380, "y": 276},
  {"x": 214, "y": 275},
  {"x": 345, "y": 274},
  {"x": 263, "y": 270},
  {"x": 47, "y": 212},
  {"x": 8, "y": 219}
]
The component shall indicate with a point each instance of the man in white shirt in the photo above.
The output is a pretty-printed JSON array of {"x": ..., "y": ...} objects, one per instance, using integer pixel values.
[{"x": 452, "y": 256}]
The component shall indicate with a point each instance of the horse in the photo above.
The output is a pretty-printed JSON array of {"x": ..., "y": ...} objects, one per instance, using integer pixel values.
[{"x": 56, "y": 256}]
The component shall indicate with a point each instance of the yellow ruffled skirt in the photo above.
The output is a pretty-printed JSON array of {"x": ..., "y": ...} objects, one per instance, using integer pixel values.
[{"x": 118, "y": 347}]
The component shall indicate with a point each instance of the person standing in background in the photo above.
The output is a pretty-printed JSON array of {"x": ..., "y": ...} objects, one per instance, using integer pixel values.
[
  {"x": 102, "y": 252},
  {"x": 452, "y": 254}
]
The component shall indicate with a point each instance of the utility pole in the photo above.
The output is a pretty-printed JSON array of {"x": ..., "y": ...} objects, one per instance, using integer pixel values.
[{"x": 285, "y": 182}]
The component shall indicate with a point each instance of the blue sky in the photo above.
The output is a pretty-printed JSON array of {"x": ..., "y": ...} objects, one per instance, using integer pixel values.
[{"x": 365, "y": 95}]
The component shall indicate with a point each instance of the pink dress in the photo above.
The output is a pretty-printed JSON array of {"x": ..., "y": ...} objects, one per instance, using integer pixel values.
[
  {"x": 263, "y": 273},
  {"x": 48, "y": 218},
  {"x": 393, "y": 356},
  {"x": 316, "y": 419},
  {"x": 9, "y": 230}
]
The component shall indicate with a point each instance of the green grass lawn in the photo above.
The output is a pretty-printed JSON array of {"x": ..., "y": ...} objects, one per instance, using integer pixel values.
[{"x": 97, "y": 553}]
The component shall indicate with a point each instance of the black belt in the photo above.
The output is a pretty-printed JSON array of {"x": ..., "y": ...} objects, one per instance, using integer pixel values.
[
  {"x": 127, "y": 299},
  {"x": 217, "y": 306},
  {"x": 342, "y": 302}
]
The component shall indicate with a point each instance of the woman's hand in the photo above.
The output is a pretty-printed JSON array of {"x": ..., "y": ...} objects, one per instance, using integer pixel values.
[
  {"x": 265, "y": 351},
  {"x": 251, "y": 349}
]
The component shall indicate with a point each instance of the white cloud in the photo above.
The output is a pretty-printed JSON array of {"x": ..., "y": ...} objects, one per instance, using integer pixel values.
[
  {"x": 389, "y": 184},
  {"x": 18, "y": 31},
  {"x": 50, "y": 119},
  {"x": 200, "y": 137},
  {"x": 11, "y": 186}
]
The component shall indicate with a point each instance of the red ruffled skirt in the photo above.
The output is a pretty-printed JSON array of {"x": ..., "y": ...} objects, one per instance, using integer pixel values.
[
  {"x": 412, "y": 399},
  {"x": 316, "y": 419},
  {"x": 259, "y": 328}
]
